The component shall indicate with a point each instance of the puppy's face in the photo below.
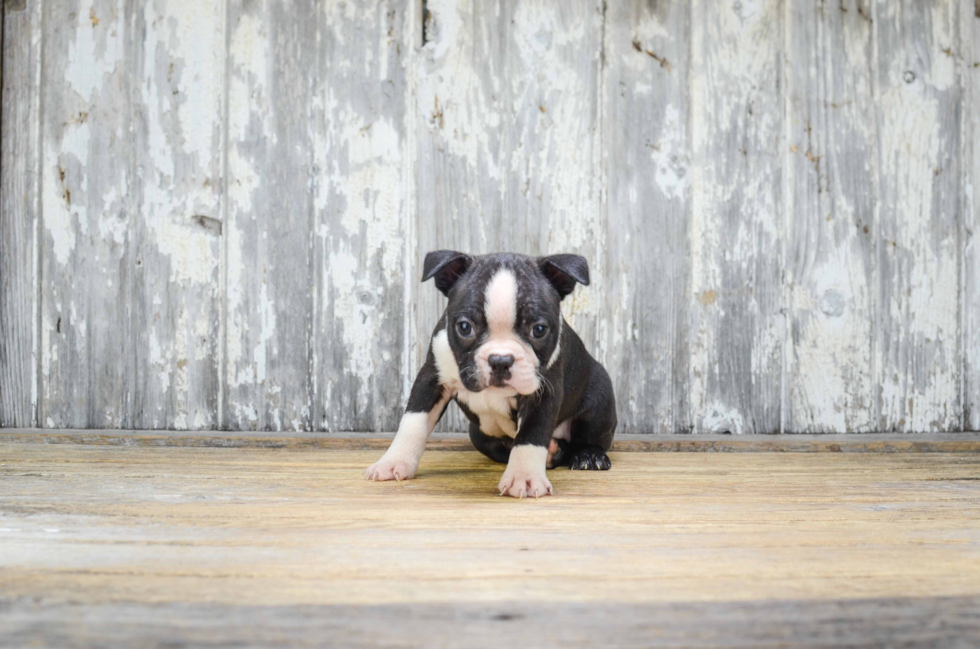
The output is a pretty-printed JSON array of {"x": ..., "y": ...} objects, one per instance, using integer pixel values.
[{"x": 503, "y": 321}]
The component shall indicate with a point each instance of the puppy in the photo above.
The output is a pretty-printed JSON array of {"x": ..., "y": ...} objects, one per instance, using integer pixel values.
[{"x": 534, "y": 396}]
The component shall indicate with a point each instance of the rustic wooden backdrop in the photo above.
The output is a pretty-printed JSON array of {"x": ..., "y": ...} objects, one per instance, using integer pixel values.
[{"x": 213, "y": 213}]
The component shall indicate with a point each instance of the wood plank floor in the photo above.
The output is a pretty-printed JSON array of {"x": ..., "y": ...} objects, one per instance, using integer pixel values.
[{"x": 147, "y": 545}]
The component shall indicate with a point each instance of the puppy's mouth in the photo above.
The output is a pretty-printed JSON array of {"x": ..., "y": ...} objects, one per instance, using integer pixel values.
[
  {"x": 498, "y": 381},
  {"x": 493, "y": 383}
]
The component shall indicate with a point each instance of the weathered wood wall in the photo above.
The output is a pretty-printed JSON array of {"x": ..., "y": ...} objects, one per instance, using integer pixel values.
[{"x": 213, "y": 213}]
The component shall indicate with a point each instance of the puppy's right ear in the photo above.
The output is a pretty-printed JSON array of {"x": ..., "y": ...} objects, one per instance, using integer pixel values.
[{"x": 447, "y": 266}]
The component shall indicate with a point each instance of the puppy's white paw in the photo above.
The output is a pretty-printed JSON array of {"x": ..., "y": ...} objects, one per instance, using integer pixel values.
[
  {"x": 390, "y": 469},
  {"x": 520, "y": 483},
  {"x": 524, "y": 476}
]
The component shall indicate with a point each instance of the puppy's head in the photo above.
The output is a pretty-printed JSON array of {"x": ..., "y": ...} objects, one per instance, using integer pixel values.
[{"x": 503, "y": 323}]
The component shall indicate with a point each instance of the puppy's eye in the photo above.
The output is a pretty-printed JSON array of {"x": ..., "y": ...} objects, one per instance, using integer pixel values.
[
  {"x": 464, "y": 328},
  {"x": 539, "y": 330}
]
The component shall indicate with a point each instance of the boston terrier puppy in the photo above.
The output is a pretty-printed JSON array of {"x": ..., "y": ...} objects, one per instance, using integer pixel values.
[{"x": 534, "y": 396}]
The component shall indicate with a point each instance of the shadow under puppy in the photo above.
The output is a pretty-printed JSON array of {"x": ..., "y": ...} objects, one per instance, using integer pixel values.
[{"x": 534, "y": 396}]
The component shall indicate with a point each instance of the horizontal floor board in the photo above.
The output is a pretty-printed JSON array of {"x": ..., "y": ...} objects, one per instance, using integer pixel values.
[
  {"x": 111, "y": 545},
  {"x": 894, "y": 622}
]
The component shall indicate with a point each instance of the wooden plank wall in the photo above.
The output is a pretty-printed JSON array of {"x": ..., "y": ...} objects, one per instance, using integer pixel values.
[
  {"x": 213, "y": 213},
  {"x": 970, "y": 42},
  {"x": 19, "y": 211}
]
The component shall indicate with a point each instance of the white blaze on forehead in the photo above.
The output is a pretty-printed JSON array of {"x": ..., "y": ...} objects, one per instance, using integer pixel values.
[{"x": 501, "y": 303}]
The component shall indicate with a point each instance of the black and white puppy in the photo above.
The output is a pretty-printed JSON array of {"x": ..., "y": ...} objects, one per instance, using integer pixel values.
[{"x": 534, "y": 396}]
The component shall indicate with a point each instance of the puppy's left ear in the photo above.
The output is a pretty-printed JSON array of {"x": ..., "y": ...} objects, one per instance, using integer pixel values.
[
  {"x": 447, "y": 266},
  {"x": 564, "y": 272}
]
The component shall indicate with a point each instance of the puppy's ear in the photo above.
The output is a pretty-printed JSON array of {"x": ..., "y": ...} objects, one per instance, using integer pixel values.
[
  {"x": 447, "y": 266},
  {"x": 564, "y": 271}
]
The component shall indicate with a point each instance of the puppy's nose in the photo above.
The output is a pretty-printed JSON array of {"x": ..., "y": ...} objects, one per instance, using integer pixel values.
[{"x": 500, "y": 363}]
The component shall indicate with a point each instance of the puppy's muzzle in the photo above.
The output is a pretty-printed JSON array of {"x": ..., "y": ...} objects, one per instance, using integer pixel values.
[{"x": 500, "y": 367}]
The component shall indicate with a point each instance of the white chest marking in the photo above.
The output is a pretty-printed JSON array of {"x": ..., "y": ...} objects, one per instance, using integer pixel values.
[{"x": 493, "y": 406}]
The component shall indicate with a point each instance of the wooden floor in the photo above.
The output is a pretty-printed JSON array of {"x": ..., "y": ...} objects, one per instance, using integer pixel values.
[{"x": 147, "y": 545}]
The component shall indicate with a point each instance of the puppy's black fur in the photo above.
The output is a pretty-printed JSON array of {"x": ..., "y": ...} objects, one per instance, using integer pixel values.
[
  {"x": 576, "y": 387},
  {"x": 521, "y": 375}
]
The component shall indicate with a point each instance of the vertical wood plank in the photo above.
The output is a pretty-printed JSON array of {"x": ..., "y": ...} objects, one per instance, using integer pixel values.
[
  {"x": 20, "y": 92},
  {"x": 508, "y": 140},
  {"x": 364, "y": 217},
  {"x": 178, "y": 179},
  {"x": 918, "y": 343},
  {"x": 88, "y": 331},
  {"x": 646, "y": 154},
  {"x": 970, "y": 44},
  {"x": 270, "y": 275},
  {"x": 736, "y": 222},
  {"x": 830, "y": 217}
]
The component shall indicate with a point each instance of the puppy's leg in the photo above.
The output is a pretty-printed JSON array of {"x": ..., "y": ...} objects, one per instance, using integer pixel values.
[
  {"x": 559, "y": 453},
  {"x": 495, "y": 448},
  {"x": 425, "y": 407},
  {"x": 558, "y": 449},
  {"x": 587, "y": 450},
  {"x": 592, "y": 432},
  {"x": 525, "y": 472}
]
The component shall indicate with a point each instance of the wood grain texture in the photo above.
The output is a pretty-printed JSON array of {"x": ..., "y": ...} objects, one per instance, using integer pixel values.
[
  {"x": 279, "y": 527},
  {"x": 212, "y": 215},
  {"x": 891, "y": 622},
  {"x": 918, "y": 247},
  {"x": 132, "y": 176},
  {"x": 19, "y": 212},
  {"x": 89, "y": 328},
  {"x": 179, "y": 53},
  {"x": 508, "y": 142},
  {"x": 269, "y": 283},
  {"x": 970, "y": 44},
  {"x": 737, "y": 219},
  {"x": 831, "y": 230},
  {"x": 646, "y": 159},
  {"x": 365, "y": 220}
]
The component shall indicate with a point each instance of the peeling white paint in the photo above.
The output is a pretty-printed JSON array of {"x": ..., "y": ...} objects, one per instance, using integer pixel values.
[
  {"x": 670, "y": 156},
  {"x": 919, "y": 384},
  {"x": 248, "y": 61},
  {"x": 372, "y": 186},
  {"x": 95, "y": 51},
  {"x": 360, "y": 319},
  {"x": 514, "y": 109},
  {"x": 720, "y": 419},
  {"x": 465, "y": 115},
  {"x": 736, "y": 62},
  {"x": 267, "y": 317}
]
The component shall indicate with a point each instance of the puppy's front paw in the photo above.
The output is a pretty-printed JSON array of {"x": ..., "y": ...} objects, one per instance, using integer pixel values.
[
  {"x": 521, "y": 483},
  {"x": 390, "y": 469}
]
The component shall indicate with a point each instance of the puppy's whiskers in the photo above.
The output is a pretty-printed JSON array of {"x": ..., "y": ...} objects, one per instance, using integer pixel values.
[
  {"x": 469, "y": 373},
  {"x": 543, "y": 383}
]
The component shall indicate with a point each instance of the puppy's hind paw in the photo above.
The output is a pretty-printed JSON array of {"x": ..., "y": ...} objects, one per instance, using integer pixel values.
[
  {"x": 557, "y": 453},
  {"x": 589, "y": 458}
]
